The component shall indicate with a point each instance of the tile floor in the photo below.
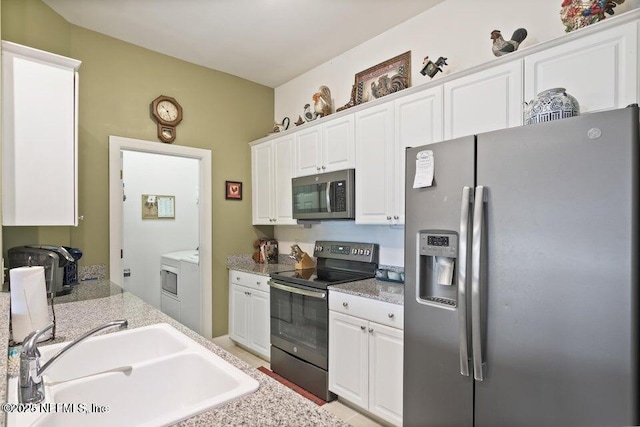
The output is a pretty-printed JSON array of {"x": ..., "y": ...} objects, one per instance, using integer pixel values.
[{"x": 336, "y": 407}]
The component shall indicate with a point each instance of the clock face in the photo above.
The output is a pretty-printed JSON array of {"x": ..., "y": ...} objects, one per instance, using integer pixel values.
[{"x": 167, "y": 111}]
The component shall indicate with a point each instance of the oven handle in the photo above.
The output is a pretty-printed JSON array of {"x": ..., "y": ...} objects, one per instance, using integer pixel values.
[{"x": 293, "y": 290}]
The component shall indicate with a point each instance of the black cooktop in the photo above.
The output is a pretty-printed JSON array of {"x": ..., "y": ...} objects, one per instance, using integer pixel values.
[{"x": 319, "y": 278}]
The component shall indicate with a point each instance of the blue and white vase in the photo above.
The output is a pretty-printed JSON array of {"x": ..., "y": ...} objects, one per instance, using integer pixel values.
[{"x": 551, "y": 104}]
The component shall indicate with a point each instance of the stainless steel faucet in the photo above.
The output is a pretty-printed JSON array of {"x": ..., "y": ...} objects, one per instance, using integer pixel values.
[{"x": 31, "y": 387}]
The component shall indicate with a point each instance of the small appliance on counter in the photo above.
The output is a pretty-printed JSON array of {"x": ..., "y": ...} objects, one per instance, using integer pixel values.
[
  {"x": 52, "y": 258},
  {"x": 71, "y": 269}
]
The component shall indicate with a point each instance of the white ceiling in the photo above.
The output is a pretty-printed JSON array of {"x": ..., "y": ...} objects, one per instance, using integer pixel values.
[{"x": 266, "y": 41}]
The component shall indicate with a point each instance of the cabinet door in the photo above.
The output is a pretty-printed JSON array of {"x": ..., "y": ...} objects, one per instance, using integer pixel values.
[
  {"x": 348, "y": 358},
  {"x": 261, "y": 180},
  {"x": 39, "y": 92},
  {"x": 385, "y": 372},
  {"x": 260, "y": 324},
  {"x": 284, "y": 156},
  {"x": 239, "y": 314},
  {"x": 338, "y": 144},
  {"x": 600, "y": 71},
  {"x": 484, "y": 101},
  {"x": 308, "y": 154},
  {"x": 418, "y": 122},
  {"x": 375, "y": 165}
]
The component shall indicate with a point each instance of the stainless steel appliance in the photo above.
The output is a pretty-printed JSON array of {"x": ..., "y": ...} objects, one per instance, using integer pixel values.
[
  {"x": 521, "y": 286},
  {"x": 52, "y": 258},
  {"x": 324, "y": 196},
  {"x": 300, "y": 311}
]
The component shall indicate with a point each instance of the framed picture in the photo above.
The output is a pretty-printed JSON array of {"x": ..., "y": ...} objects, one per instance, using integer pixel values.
[
  {"x": 233, "y": 190},
  {"x": 387, "y": 77},
  {"x": 158, "y": 207}
]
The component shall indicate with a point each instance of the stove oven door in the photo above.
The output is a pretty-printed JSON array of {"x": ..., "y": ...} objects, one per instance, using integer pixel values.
[{"x": 299, "y": 321}]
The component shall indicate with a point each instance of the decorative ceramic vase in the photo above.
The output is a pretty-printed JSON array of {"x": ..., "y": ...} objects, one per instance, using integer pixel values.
[
  {"x": 552, "y": 104},
  {"x": 580, "y": 13}
]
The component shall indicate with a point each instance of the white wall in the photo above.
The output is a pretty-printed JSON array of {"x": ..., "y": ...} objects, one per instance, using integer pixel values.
[
  {"x": 456, "y": 29},
  {"x": 146, "y": 240}
]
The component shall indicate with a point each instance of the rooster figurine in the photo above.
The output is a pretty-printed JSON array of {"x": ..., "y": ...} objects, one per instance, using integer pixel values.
[
  {"x": 322, "y": 102},
  {"x": 502, "y": 46}
]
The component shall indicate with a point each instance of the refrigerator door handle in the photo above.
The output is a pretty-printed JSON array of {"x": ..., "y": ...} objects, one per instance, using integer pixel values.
[
  {"x": 476, "y": 315},
  {"x": 462, "y": 282}
]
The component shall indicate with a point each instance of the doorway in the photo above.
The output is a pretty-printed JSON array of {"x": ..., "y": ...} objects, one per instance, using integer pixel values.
[{"x": 174, "y": 159}]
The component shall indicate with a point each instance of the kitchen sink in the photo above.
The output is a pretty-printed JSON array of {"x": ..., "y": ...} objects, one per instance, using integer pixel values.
[{"x": 162, "y": 377}]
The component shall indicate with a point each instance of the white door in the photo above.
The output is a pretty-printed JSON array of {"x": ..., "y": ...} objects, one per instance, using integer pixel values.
[
  {"x": 284, "y": 156},
  {"x": 239, "y": 314},
  {"x": 385, "y": 372},
  {"x": 261, "y": 179},
  {"x": 418, "y": 122},
  {"x": 484, "y": 101},
  {"x": 338, "y": 144},
  {"x": 348, "y": 358},
  {"x": 260, "y": 339},
  {"x": 600, "y": 71},
  {"x": 308, "y": 154},
  {"x": 375, "y": 165}
]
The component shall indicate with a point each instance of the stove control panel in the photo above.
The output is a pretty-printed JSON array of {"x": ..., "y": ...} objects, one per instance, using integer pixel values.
[{"x": 353, "y": 251}]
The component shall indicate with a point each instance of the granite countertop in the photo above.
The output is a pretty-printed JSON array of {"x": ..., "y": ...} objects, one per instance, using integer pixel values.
[
  {"x": 248, "y": 265},
  {"x": 93, "y": 304},
  {"x": 374, "y": 289}
]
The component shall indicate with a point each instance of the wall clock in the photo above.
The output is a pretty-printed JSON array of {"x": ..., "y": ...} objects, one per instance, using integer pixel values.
[{"x": 168, "y": 114}]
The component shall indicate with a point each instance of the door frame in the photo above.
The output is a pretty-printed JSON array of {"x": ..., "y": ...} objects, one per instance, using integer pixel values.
[{"x": 116, "y": 145}]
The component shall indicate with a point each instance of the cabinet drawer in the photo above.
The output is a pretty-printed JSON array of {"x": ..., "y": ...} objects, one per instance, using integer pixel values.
[
  {"x": 366, "y": 308},
  {"x": 253, "y": 281}
]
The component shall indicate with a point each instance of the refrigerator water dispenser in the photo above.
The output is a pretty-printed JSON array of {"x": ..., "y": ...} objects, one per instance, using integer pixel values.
[{"x": 437, "y": 255}]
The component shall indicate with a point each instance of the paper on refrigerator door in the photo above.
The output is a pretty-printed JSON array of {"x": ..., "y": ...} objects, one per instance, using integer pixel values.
[{"x": 424, "y": 169}]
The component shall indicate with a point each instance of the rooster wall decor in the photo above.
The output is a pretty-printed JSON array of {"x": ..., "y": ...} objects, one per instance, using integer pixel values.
[{"x": 502, "y": 46}]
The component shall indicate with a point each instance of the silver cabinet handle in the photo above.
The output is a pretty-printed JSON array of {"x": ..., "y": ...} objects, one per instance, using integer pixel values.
[
  {"x": 258, "y": 283},
  {"x": 396, "y": 217},
  {"x": 391, "y": 315},
  {"x": 363, "y": 327},
  {"x": 345, "y": 304},
  {"x": 389, "y": 218},
  {"x": 476, "y": 315},
  {"x": 238, "y": 279},
  {"x": 462, "y": 282},
  {"x": 317, "y": 168},
  {"x": 370, "y": 330},
  {"x": 324, "y": 167}
]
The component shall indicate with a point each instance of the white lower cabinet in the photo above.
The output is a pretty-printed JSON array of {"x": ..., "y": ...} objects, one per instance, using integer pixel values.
[
  {"x": 365, "y": 357},
  {"x": 249, "y": 319}
]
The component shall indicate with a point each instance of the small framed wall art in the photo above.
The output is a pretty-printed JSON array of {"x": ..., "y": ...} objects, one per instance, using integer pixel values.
[
  {"x": 233, "y": 190},
  {"x": 158, "y": 207}
]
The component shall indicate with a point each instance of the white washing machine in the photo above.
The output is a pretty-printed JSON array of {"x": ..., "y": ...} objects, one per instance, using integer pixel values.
[{"x": 181, "y": 291}]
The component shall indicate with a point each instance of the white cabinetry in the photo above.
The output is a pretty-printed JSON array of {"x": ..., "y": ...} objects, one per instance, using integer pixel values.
[
  {"x": 249, "y": 318},
  {"x": 484, "y": 101},
  {"x": 418, "y": 121},
  {"x": 326, "y": 147},
  {"x": 366, "y": 354},
  {"x": 600, "y": 71},
  {"x": 39, "y": 120},
  {"x": 383, "y": 133},
  {"x": 375, "y": 166},
  {"x": 272, "y": 170}
]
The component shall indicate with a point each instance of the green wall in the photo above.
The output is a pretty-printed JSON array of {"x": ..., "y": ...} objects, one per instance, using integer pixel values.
[{"x": 117, "y": 83}]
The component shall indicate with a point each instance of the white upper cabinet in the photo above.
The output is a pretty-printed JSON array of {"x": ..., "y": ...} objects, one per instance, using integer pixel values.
[
  {"x": 418, "y": 121},
  {"x": 40, "y": 138},
  {"x": 484, "y": 101},
  {"x": 375, "y": 165},
  {"x": 325, "y": 148},
  {"x": 272, "y": 170},
  {"x": 600, "y": 70}
]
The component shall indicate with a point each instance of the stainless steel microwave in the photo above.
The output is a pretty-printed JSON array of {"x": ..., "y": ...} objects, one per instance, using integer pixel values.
[{"x": 328, "y": 195}]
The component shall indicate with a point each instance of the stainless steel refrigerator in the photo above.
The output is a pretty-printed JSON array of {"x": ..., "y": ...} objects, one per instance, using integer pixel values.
[{"x": 521, "y": 276}]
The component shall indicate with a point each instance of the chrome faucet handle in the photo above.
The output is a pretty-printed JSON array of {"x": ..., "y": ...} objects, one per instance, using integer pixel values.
[{"x": 29, "y": 344}]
